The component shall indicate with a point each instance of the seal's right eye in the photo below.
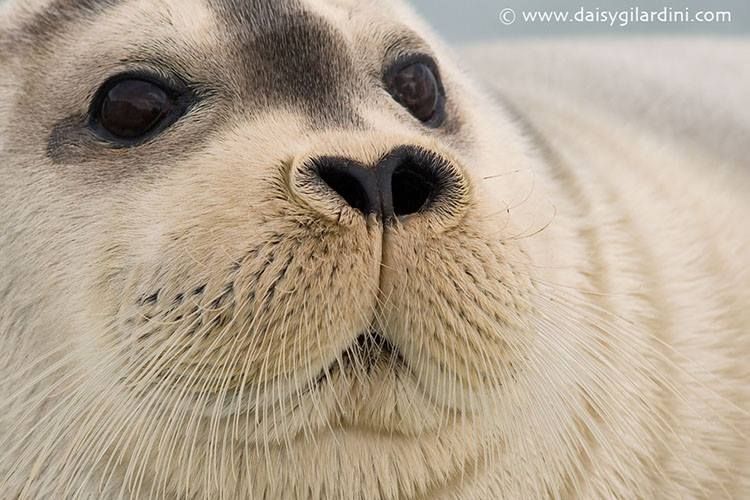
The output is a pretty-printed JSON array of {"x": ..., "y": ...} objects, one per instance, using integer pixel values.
[{"x": 129, "y": 110}]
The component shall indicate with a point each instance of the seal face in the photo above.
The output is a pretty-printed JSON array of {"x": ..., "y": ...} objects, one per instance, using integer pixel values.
[{"x": 262, "y": 249}]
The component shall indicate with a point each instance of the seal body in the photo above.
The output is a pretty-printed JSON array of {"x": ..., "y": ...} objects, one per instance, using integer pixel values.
[{"x": 249, "y": 303}]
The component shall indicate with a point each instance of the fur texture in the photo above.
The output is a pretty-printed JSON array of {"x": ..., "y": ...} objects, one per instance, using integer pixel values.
[{"x": 178, "y": 317}]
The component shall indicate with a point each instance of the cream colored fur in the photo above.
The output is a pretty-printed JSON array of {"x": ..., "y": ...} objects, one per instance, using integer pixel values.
[{"x": 577, "y": 326}]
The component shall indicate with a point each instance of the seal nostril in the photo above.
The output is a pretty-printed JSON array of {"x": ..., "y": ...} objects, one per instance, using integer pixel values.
[
  {"x": 350, "y": 181},
  {"x": 347, "y": 187},
  {"x": 412, "y": 188}
]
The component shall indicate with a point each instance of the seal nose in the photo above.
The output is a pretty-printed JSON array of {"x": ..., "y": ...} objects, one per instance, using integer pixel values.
[
  {"x": 403, "y": 182},
  {"x": 354, "y": 182}
]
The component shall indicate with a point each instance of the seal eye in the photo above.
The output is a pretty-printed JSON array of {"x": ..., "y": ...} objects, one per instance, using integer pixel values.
[
  {"x": 131, "y": 108},
  {"x": 416, "y": 87}
]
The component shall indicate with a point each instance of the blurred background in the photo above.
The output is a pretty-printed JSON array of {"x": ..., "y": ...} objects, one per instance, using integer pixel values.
[{"x": 468, "y": 20}]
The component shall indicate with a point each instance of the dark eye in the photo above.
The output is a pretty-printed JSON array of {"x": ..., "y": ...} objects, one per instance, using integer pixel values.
[
  {"x": 417, "y": 88},
  {"x": 131, "y": 109}
]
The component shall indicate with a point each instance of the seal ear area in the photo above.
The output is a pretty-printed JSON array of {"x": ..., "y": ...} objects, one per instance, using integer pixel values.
[
  {"x": 11, "y": 15},
  {"x": 37, "y": 23}
]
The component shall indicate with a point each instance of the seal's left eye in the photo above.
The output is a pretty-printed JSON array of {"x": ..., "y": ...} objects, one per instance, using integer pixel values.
[
  {"x": 131, "y": 109},
  {"x": 416, "y": 86}
]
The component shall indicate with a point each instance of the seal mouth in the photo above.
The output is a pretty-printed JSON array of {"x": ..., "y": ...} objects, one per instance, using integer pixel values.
[{"x": 368, "y": 350}]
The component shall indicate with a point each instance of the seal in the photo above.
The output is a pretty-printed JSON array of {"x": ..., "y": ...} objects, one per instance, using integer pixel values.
[{"x": 262, "y": 249}]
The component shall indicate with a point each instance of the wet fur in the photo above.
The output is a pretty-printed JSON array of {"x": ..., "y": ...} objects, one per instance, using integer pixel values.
[{"x": 181, "y": 319}]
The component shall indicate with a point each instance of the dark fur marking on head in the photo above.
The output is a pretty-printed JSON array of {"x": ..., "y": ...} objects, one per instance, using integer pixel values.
[{"x": 290, "y": 57}]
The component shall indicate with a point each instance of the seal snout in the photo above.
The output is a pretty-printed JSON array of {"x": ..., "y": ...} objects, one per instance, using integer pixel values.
[{"x": 405, "y": 181}]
